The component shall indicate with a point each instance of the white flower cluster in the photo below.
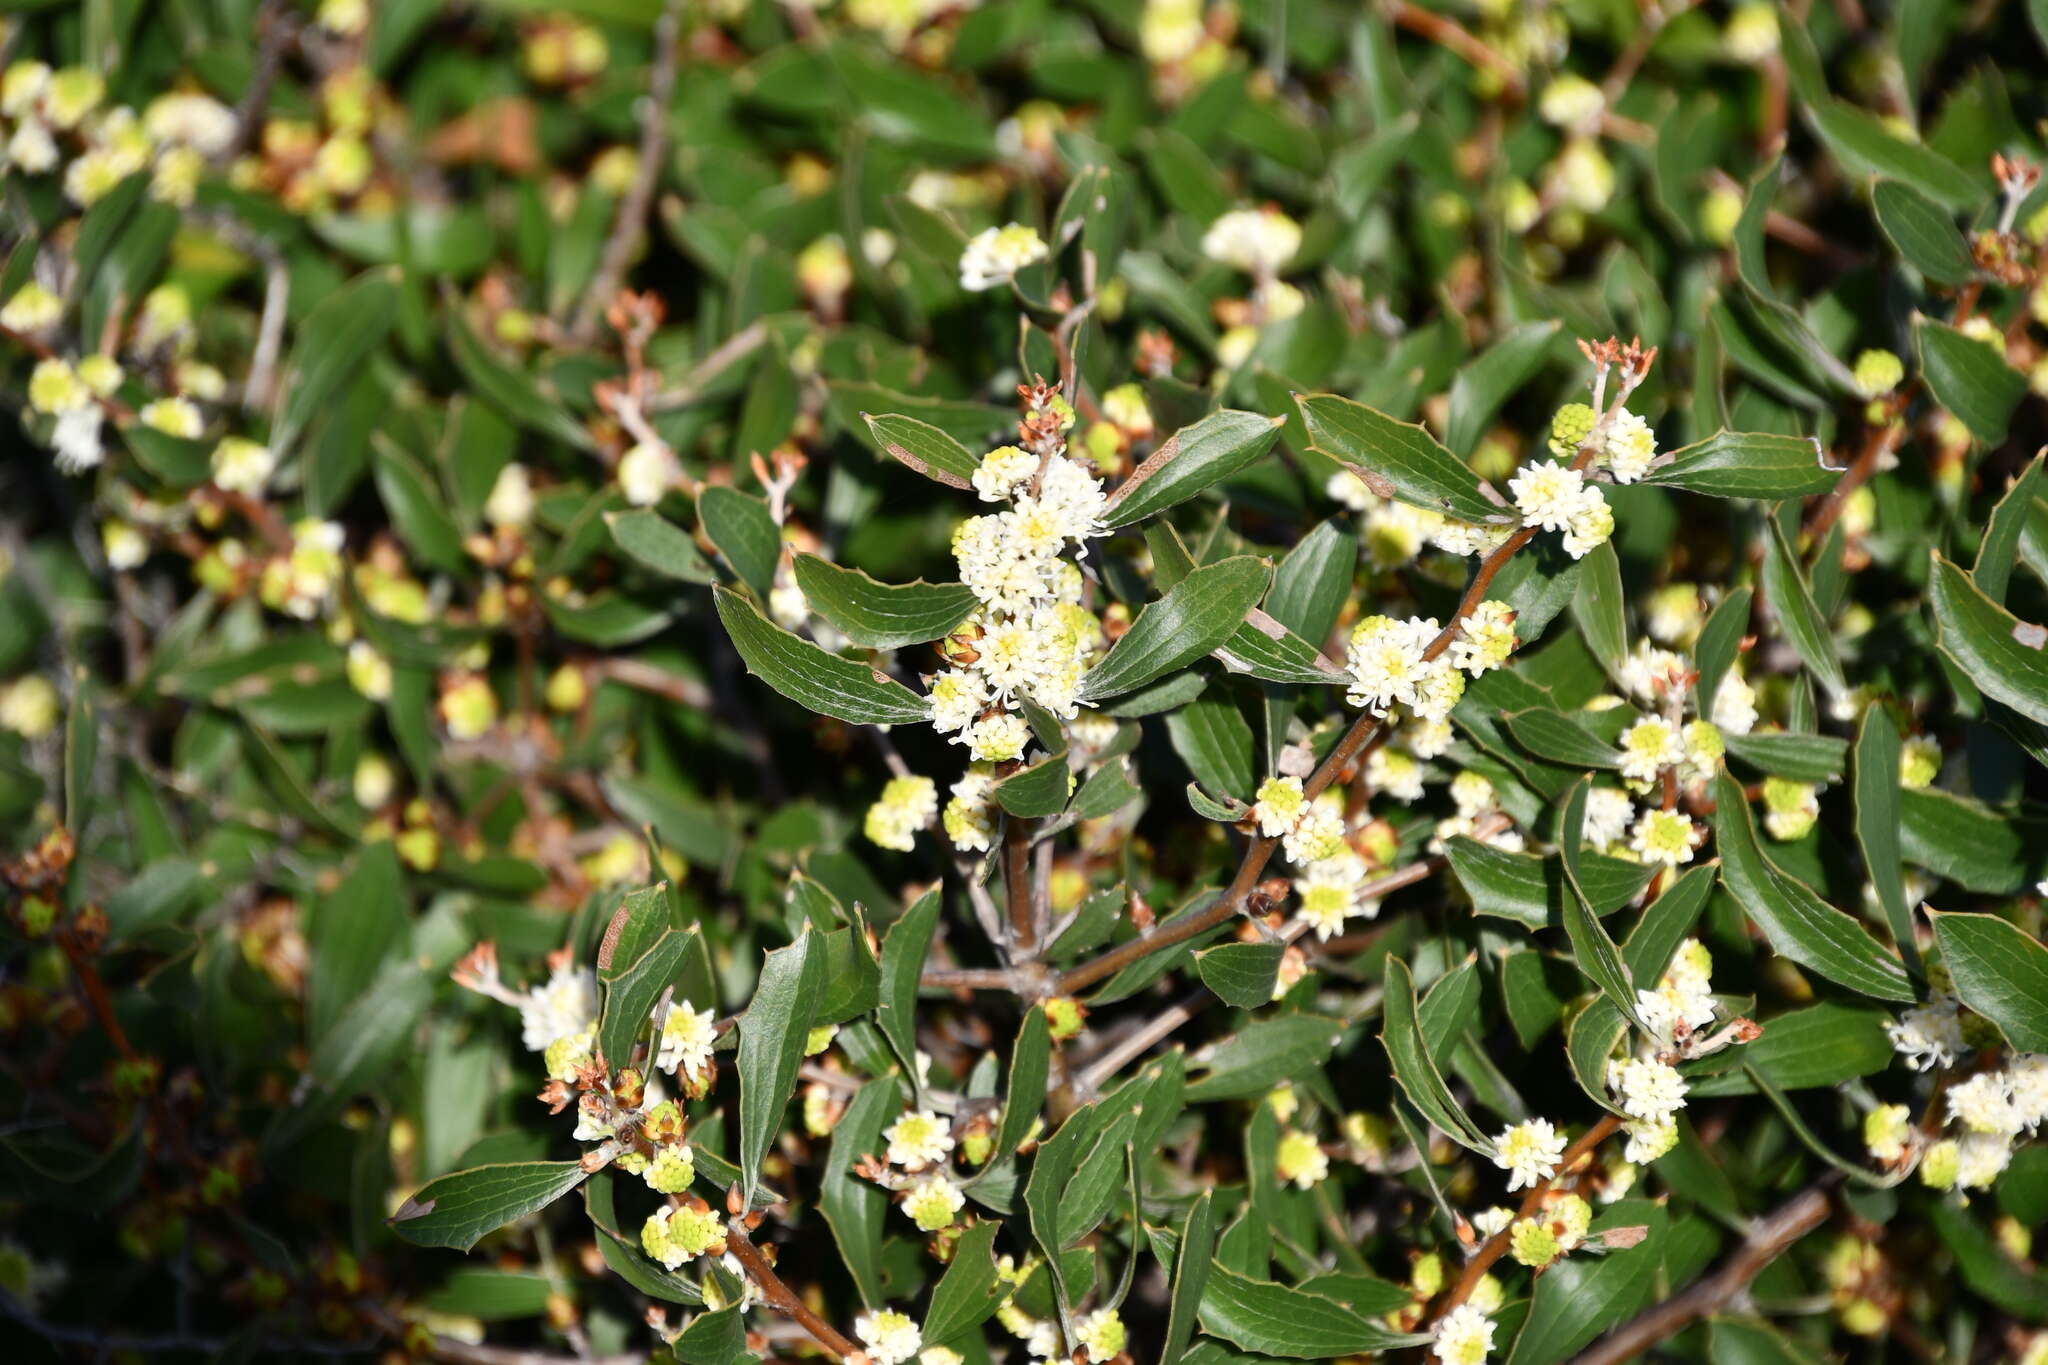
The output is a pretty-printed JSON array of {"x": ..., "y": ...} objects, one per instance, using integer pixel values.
[
  {"x": 52, "y": 117},
  {"x": 1929, "y": 1035},
  {"x": 1257, "y": 241},
  {"x": 907, "y": 805},
  {"x": 1553, "y": 496},
  {"x": 1992, "y": 1109},
  {"x": 994, "y": 255}
]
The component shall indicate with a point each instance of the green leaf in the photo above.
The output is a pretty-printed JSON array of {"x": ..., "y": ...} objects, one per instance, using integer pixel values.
[
  {"x": 856, "y": 1209},
  {"x": 903, "y": 953},
  {"x": 1279, "y": 1320},
  {"x": 1753, "y": 1341},
  {"x": 924, "y": 448},
  {"x": 1986, "y": 1267},
  {"x": 1194, "y": 617},
  {"x": 1484, "y": 384},
  {"x": 458, "y": 1210},
  {"x": 632, "y": 987},
  {"x": 1557, "y": 738},
  {"x": 171, "y": 459},
  {"x": 1241, "y": 974},
  {"x": 1312, "y": 580},
  {"x": 1265, "y": 1052},
  {"x": 1589, "y": 1042},
  {"x": 882, "y": 615},
  {"x": 2000, "y": 971},
  {"x": 659, "y": 544},
  {"x": 334, "y": 340},
  {"x": 1798, "y": 922},
  {"x": 1786, "y": 589},
  {"x": 772, "y": 1034},
  {"x": 1665, "y": 923},
  {"x": 1030, "y": 1067},
  {"x": 1970, "y": 844},
  {"x": 1720, "y": 640},
  {"x": 1600, "y": 607},
  {"x": 745, "y": 533},
  {"x": 1592, "y": 948},
  {"x": 1877, "y": 824},
  {"x": 1924, "y": 233},
  {"x": 1267, "y": 650},
  {"x": 1408, "y": 1053},
  {"x": 1579, "y": 1297},
  {"x": 1191, "y": 460},
  {"x": 1969, "y": 378},
  {"x": 2006, "y": 657},
  {"x": 2003, "y": 533},
  {"x": 1860, "y": 140},
  {"x": 528, "y": 402},
  {"x": 1803, "y": 758},
  {"x": 1525, "y": 887},
  {"x": 1748, "y": 464},
  {"x": 1191, "y": 1260},
  {"x": 1396, "y": 459},
  {"x": 813, "y": 677},
  {"x": 969, "y": 1293},
  {"x": 1805, "y": 1049},
  {"x": 715, "y": 1338},
  {"x": 418, "y": 507},
  {"x": 1212, "y": 738}
]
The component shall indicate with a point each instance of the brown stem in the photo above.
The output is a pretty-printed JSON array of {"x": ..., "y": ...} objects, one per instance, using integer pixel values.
[
  {"x": 779, "y": 1295},
  {"x": 1768, "y": 1236},
  {"x": 631, "y": 224},
  {"x": 1489, "y": 1252},
  {"x": 1448, "y": 33},
  {"x": 1017, "y": 886}
]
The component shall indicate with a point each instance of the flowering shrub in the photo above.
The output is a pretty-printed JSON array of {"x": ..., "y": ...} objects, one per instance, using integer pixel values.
[{"x": 914, "y": 681}]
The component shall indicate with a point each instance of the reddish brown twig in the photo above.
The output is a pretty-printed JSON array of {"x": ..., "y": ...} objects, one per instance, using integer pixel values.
[
  {"x": 1448, "y": 33},
  {"x": 1768, "y": 1236},
  {"x": 779, "y": 1296},
  {"x": 1491, "y": 1250}
]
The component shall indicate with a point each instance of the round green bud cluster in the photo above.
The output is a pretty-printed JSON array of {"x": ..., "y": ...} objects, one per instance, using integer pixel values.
[{"x": 1570, "y": 427}]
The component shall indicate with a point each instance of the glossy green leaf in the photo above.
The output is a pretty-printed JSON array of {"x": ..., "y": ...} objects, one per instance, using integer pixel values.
[
  {"x": 1484, "y": 384},
  {"x": 1600, "y": 607},
  {"x": 1191, "y": 1261},
  {"x": 1527, "y": 888},
  {"x": 1592, "y": 948},
  {"x": 745, "y": 533},
  {"x": 1803, "y": 758},
  {"x": 1786, "y": 589},
  {"x": 904, "y": 949},
  {"x": 772, "y": 1034},
  {"x": 1189, "y": 461},
  {"x": 1396, "y": 459},
  {"x": 2004, "y": 656},
  {"x": 1969, "y": 378},
  {"x": 1924, "y": 233},
  {"x": 812, "y": 677},
  {"x": 335, "y": 338},
  {"x": 1263, "y": 1053},
  {"x": 1030, "y": 1066},
  {"x": 1579, "y": 1297},
  {"x": 1748, "y": 464},
  {"x": 924, "y": 448},
  {"x": 1196, "y": 615},
  {"x": 519, "y": 396},
  {"x": 1798, "y": 922},
  {"x": 1557, "y": 738},
  {"x": 857, "y": 1209},
  {"x": 1278, "y": 1320},
  {"x": 882, "y": 615},
  {"x": 1417, "y": 1075},
  {"x": 1877, "y": 824},
  {"x": 2000, "y": 971},
  {"x": 459, "y": 1210},
  {"x": 969, "y": 1293},
  {"x": 659, "y": 544},
  {"x": 1241, "y": 974}
]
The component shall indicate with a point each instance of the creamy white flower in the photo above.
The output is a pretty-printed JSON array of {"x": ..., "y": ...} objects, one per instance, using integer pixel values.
[
  {"x": 1648, "y": 1140},
  {"x": 1983, "y": 1104},
  {"x": 1591, "y": 524},
  {"x": 1394, "y": 774},
  {"x": 1486, "y": 637},
  {"x": 1257, "y": 241},
  {"x": 907, "y": 805},
  {"x": 1348, "y": 489},
  {"x": 1385, "y": 661},
  {"x": 1663, "y": 836},
  {"x": 564, "y": 1004},
  {"x": 31, "y": 148},
  {"x": 1464, "y": 1337},
  {"x": 1980, "y": 1158},
  {"x": 1608, "y": 813},
  {"x": 2027, "y": 1081},
  {"x": 1648, "y": 747},
  {"x": 958, "y": 696},
  {"x": 918, "y": 1139},
  {"x": 1278, "y": 806},
  {"x": 1630, "y": 446},
  {"x": 510, "y": 504},
  {"x": 997, "y": 737},
  {"x": 1734, "y": 705},
  {"x": 1003, "y": 472},
  {"x": 192, "y": 120},
  {"x": 891, "y": 1337},
  {"x": 1928, "y": 1035},
  {"x": 647, "y": 472},
  {"x": 1571, "y": 101},
  {"x": 75, "y": 444},
  {"x": 1648, "y": 1089},
  {"x": 1529, "y": 1152},
  {"x": 1317, "y": 835},
  {"x": 1472, "y": 794},
  {"x": 1547, "y": 494},
  {"x": 994, "y": 255},
  {"x": 687, "y": 1037}
]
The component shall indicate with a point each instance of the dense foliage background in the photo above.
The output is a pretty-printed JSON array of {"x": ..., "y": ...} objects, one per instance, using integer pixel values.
[{"x": 446, "y": 651}]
